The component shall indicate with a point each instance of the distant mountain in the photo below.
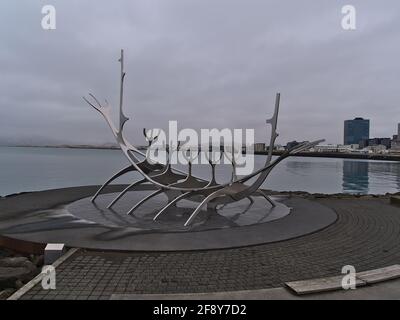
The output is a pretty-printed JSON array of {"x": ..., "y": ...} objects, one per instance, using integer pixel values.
[
  {"x": 49, "y": 142},
  {"x": 88, "y": 146},
  {"x": 28, "y": 141}
]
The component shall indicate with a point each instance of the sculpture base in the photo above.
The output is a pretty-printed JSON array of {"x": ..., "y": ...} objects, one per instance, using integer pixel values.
[
  {"x": 237, "y": 214},
  {"x": 77, "y": 222}
]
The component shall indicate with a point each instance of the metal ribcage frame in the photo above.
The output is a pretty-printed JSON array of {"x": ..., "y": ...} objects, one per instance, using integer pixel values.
[{"x": 165, "y": 179}]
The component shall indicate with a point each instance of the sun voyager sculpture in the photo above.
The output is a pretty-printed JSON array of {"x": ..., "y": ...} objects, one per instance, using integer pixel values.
[{"x": 178, "y": 185}]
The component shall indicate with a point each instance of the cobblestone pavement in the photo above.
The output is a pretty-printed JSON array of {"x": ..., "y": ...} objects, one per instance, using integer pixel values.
[{"x": 366, "y": 235}]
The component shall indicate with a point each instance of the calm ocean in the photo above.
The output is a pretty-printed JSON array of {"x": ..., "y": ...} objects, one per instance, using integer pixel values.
[{"x": 30, "y": 169}]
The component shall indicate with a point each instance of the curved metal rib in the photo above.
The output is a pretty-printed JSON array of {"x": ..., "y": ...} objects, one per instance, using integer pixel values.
[
  {"x": 115, "y": 176},
  {"x": 201, "y": 205},
  {"x": 213, "y": 180},
  {"x": 171, "y": 203},
  {"x": 272, "y": 202},
  {"x": 232, "y": 160},
  {"x": 166, "y": 170},
  {"x": 125, "y": 191},
  {"x": 137, "y": 205},
  {"x": 150, "y": 139}
]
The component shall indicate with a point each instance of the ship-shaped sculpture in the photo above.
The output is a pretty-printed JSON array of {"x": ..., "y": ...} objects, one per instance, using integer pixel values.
[{"x": 178, "y": 185}]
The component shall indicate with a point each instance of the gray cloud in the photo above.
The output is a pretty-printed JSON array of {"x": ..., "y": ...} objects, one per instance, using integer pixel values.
[{"x": 204, "y": 63}]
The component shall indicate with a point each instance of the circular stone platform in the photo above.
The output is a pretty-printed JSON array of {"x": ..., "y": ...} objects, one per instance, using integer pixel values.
[
  {"x": 238, "y": 214},
  {"x": 67, "y": 216}
]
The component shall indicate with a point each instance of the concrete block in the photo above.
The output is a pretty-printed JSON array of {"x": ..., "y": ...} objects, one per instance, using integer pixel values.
[
  {"x": 53, "y": 251},
  {"x": 319, "y": 285},
  {"x": 381, "y": 274}
]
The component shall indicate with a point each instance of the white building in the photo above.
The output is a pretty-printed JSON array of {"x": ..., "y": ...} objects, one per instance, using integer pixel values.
[
  {"x": 335, "y": 148},
  {"x": 380, "y": 148}
]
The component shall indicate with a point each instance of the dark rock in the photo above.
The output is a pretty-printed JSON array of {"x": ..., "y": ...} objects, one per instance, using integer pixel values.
[
  {"x": 16, "y": 262},
  {"x": 38, "y": 261},
  {"x": 14, "y": 269},
  {"x": 19, "y": 284},
  {"x": 6, "y": 293}
]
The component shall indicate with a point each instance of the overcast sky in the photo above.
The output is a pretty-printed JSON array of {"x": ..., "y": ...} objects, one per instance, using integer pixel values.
[{"x": 205, "y": 63}]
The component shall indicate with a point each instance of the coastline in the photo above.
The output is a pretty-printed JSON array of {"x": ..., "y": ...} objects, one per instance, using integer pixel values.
[
  {"x": 65, "y": 147},
  {"x": 341, "y": 155},
  {"x": 337, "y": 155}
]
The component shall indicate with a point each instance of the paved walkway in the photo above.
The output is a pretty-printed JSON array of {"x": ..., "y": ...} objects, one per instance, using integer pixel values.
[
  {"x": 388, "y": 290},
  {"x": 366, "y": 235}
]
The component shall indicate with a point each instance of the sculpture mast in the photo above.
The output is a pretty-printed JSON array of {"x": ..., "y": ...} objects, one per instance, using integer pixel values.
[
  {"x": 274, "y": 123},
  {"x": 122, "y": 117}
]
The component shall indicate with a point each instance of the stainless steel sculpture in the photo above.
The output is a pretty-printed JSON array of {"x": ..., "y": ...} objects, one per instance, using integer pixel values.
[{"x": 176, "y": 184}]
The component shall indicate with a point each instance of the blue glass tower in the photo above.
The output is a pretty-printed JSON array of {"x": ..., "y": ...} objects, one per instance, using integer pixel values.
[{"x": 356, "y": 130}]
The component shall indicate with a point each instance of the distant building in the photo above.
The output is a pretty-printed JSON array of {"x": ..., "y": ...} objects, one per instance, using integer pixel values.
[
  {"x": 259, "y": 147},
  {"x": 355, "y": 131},
  {"x": 292, "y": 144},
  {"x": 386, "y": 142},
  {"x": 376, "y": 149},
  {"x": 326, "y": 148},
  {"x": 395, "y": 143},
  {"x": 279, "y": 147},
  {"x": 335, "y": 148}
]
